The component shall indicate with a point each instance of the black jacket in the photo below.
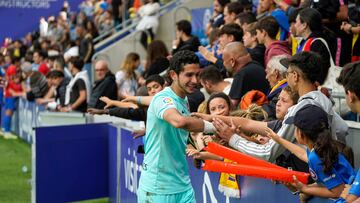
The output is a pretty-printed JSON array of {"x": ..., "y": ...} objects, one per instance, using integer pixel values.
[
  {"x": 327, "y": 8},
  {"x": 129, "y": 113},
  {"x": 157, "y": 67},
  {"x": 257, "y": 54},
  {"x": 319, "y": 47},
  {"x": 61, "y": 91},
  {"x": 105, "y": 87},
  {"x": 192, "y": 45}
]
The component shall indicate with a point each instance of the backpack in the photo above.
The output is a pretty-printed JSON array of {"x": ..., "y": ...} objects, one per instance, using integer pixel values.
[{"x": 335, "y": 89}]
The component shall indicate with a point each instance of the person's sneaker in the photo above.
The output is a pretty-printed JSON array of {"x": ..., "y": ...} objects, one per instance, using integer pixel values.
[
  {"x": 2, "y": 132},
  {"x": 8, "y": 135}
]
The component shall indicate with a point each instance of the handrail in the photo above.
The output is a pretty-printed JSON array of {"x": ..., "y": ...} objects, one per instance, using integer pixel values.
[
  {"x": 176, "y": 12},
  {"x": 124, "y": 25},
  {"x": 135, "y": 38},
  {"x": 108, "y": 33}
]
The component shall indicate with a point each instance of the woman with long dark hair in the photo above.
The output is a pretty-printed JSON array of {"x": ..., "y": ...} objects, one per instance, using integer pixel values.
[
  {"x": 309, "y": 27},
  {"x": 156, "y": 61}
]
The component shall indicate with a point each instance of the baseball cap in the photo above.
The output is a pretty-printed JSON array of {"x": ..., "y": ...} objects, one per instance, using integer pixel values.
[
  {"x": 284, "y": 62},
  {"x": 309, "y": 117}
]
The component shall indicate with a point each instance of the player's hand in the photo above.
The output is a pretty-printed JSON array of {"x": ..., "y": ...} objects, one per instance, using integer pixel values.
[
  {"x": 223, "y": 130},
  {"x": 138, "y": 133},
  {"x": 203, "y": 116}
]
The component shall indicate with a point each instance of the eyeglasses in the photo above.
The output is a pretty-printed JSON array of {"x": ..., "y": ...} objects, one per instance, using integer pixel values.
[
  {"x": 98, "y": 70},
  {"x": 288, "y": 72}
]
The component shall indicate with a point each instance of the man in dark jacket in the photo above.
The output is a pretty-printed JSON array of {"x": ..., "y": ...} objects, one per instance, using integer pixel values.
[
  {"x": 58, "y": 79},
  {"x": 154, "y": 84},
  {"x": 104, "y": 86}
]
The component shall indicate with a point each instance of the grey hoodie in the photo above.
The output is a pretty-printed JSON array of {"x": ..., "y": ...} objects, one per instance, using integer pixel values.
[{"x": 271, "y": 150}]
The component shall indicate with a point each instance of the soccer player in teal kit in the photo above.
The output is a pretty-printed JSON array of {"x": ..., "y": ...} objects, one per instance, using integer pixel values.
[{"x": 165, "y": 176}]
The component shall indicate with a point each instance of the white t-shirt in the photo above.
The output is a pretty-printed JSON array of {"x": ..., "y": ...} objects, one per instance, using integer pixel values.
[{"x": 127, "y": 86}]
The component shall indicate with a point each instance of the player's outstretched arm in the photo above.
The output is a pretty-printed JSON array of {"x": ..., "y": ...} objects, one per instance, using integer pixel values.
[{"x": 189, "y": 123}]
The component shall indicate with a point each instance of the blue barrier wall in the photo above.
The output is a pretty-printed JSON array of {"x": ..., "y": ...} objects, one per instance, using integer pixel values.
[
  {"x": 27, "y": 119},
  {"x": 72, "y": 162},
  {"x": 205, "y": 184},
  {"x": 89, "y": 161}
]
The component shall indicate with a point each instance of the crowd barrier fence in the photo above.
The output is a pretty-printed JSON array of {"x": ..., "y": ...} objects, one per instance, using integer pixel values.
[{"x": 78, "y": 157}]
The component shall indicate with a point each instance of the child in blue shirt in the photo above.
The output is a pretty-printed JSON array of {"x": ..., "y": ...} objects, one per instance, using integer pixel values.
[{"x": 327, "y": 166}]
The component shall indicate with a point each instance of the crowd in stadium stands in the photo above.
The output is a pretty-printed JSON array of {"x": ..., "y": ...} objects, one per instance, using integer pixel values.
[{"x": 264, "y": 79}]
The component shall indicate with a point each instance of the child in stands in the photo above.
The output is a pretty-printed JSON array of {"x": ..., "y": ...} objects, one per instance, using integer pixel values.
[{"x": 327, "y": 166}]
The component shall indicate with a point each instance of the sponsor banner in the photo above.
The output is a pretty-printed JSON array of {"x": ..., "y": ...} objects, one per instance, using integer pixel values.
[
  {"x": 200, "y": 19},
  {"x": 205, "y": 184},
  {"x": 20, "y": 17}
]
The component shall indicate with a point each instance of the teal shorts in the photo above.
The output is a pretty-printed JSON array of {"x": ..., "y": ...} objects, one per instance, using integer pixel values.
[{"x": 184, "y": 197}]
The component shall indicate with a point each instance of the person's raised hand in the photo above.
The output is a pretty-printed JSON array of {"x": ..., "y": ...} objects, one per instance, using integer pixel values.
[
  {"x": 193, "y": 153},
  {"x": 271, "y": 134},
  {"x": 206, "y": 139},
  {"x": 129, "y": 98},
  {"x": 297, "y": 184},
  {"x": 223, "y": 130},
  {"x": 107, "y": 101},
  {"x": 345, "y": 26},
  {"x": 209, "y": 56}
]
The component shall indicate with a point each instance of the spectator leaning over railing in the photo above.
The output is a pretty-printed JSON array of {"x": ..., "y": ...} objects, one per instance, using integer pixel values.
[
  {"x": 13, "y": 90},
  {"x": 154, "y": 85},
  {"x": 78, "y": 90},
  {"x": 327, "y": 165},
  {"x": 39, "y": 58},
  {"x": 301, "y": 76},
  {"x": 276, "y": 75},
  {"x": 57, "y": 80},
  {"x": 36, "y": 85}
]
